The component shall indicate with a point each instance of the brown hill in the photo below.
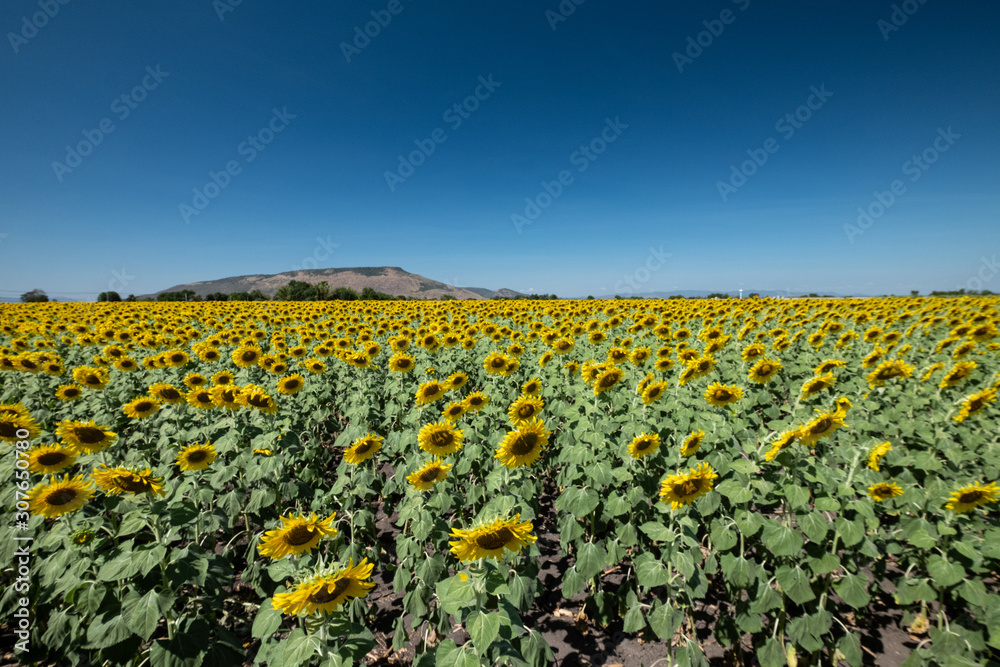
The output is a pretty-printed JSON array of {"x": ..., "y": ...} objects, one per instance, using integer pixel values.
[{"x": 388, "y": 279}]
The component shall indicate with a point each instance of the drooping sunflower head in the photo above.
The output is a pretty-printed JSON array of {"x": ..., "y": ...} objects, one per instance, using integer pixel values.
[
  {"x": 197, "y": 456},
  {"x": 476, "y": 401},
  {"x": 887, "y": 370},
  {"x": 252, "y": 396},
  {"x": 972, "y": 496},
  {"x": 820, "y": 427},
  {"x": 976, "y": 402},
  {"x": 524, "y": 409},
  {"x": 225, "y": 396},
  {"x": 524, "y": 446},
  {"x": 877, "y": 454},
  {"x": 492, "y": 539},
  {"x": 326, "y": 591},
  {"x": 440, "y": 439},
  {"x": 783, "y": 442},
  {"x": 85, "y": 437},
  {"x": 817, "y": 384},
  {"x": 654, "y": 391},
  {"x": 429, "y": 474},
  {"x": 59, "y": 496},
  {"x": 363, "y": 448},
  {"x": 692, "y": 443},
  {"x": 116, "y": 481},
  {"x": 644, "y": 444},
  {"x": 297, "y": 534},
  {"x": 89, "y": 377}
]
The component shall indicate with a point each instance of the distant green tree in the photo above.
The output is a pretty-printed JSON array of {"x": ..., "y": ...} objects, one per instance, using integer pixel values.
[
  {"x": 344, "y": 294},
  {"x": 35, "y": 296},
  {"x": 108, "y": 296},
  {"x": 296, "y": 290}
]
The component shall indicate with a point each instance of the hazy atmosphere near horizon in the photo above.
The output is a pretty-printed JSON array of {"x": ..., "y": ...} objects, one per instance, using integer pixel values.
[{"x": 575, "y": 147}]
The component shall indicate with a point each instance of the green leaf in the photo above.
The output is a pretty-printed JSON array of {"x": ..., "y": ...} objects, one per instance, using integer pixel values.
[
  {"x": 590, "y": 560},
  {"x": 748, "y": 522},
  {"x": 853, "y": 589},
  {"x": 448, "y": 654},
  {"x": 739, "y": 571},
  {"x": 267, "y": 621},
  {"x": 781, "y": 540},
  {"x": 143, "y": 613},
  {"x": 797, "y": 496},
  {"x": 814, "y": 526},
  {"x": 850, "y": 647},
  {"x": 107, "y": 630},
  {"x": 634, "y": 620},
  {"x": 664, "y": 620},
  {"x": 658, "y": 532},
  {"x": 944, "y": 573},
  {"x": 745, "y": 466},
  {"x": 770, "y": 654},
  {"x": 121, "y": 566},
  {"x": 921, "y": 539},
  {"x": 579, "y": 501},
  {"x": 795, "y": 583},
  {"x": 851, "y": 532},
  {"x": 616, "y": 505},
  {"x": 723, "y": 537},
  {"x": 455, "y": 592},
  {"x": 147, "y": 557},
  {"x": 299, "y": 648},
  {"x": 484, "y": 629},
  {"x": 650, "y": 571}
]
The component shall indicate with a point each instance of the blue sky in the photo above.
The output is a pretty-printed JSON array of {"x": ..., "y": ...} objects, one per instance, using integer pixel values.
[{"x": 199, "y": 78}]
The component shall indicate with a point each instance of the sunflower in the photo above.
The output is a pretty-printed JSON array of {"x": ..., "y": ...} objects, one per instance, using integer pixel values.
[
  {"x": 644, "y": 444},
  {"x": 363, "y": 448},
  {"x": 291, "y": 384},
  {"x": 457, "y": 380},
  {"x": 59, "y": 496},
  {"x": 884, "y": 491},
  {"x": 686, "y": 376},
  {"x": 497, "y": 363},
  {"x": 69, "y": 392},
  {"x": 820, "y": 427},
  {"x": 176, "y": 358},
  {"x": 817, "y": 384},
  {"x": 440, "y": 439},
  {"x": 193, "y": 380},
  {"x": 115, "y": 481},
  {"x": 972, "y": 496},
  {"x": 752, "y": 351},
  {"x": 975, "y": 402},
  {"x": 453, "y": 411},
  {"x": 490, "y": 540},
  {"x": 663, "y": 364},
  {"x": 701, "y": 365},
  {"x": 197, "y": 456},
  {"x": 888, "y": 370},
  {"x": 532, "y": 387},
  {"x": 263, "y": 452},
  {"x": 763, "y": 370},
  {"x": 247, "y": 355},
  {"x": 430, "y": 391},
  {"x": 226, "y": 397},
  {"x": 692, "y": 443},
  {"x": 50, "y": 459},
  {"x": 654, "y": 391},
  {"x": 524, "y": 409},
  {"x": 682, "y": 488},
  {"x": 876, "y": 455},
  {"x": 782, "y": 443},
  {"x": 843, "y": 405},
  {"x": 200, "y": 398},
  {"x": 252, "y": 396},
  {"x": 15, "y": 418},
  {"x": 931, "y": 370},
  {"x": 544, "y": 360},
  {"x": 607, "y": 379},
  {"x": 429, "y": 474},
  {"x": 142, "y": 407},
  {"x": 296, "y": 535},
  {"x": 85, "y": 437},
  {"x": 326, "y": 591},
  {"x": 524, "y": 446},
  {"x": 166, "y": 393},
  {"x": 719, "y": 394},
  {"x": 221, "y": 378},
  {"x": 957, "y": 373},
  {"x": 476, "y": 401},
  {"x": 89, "y": 377}
]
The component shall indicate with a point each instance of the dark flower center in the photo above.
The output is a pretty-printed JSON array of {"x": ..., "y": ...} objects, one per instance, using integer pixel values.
[
  {"x": 330, "y": 593},
  {"x": 524, "y": 444},
  {"x": 89, "y": 435},
  {"x": 51, "y": 458},
  {"x": 61, "y": 497},
  {"x": 495, "y": 540}
]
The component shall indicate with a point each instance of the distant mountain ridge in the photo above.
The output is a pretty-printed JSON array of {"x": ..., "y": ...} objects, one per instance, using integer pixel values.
[{"x": 387, "y": 279}]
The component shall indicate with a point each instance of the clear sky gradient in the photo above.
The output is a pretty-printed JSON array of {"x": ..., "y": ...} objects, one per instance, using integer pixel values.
[{"x": 161, "y": 95}]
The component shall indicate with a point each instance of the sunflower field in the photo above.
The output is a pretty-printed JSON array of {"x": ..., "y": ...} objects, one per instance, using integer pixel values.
[{"x": 225, "y": 483}]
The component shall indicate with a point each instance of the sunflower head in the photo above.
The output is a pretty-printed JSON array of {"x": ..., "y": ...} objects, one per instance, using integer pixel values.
[
  {"x": 972, "y": 496},
  {"x": 440, "y": 439},
  {"x": 363, "y": 449},
  {"x": 492, "y": 539},
  {"x": 85, "y": 437},
  {"x": 116, "y": 481},
  {"x": 429, "y": 474},
  {"x": 644, "y": 444},
  {"x": 524, "y": 446},
  {"x": 430, "y": 391},
  {"x": 50, "y": 459},
  {"x": 197, "y": 456},
  {"x": 326, "y": 591},
  {"x": 884, "y": 491},
  {"x": 59, "y": 497},
  {"x": 692, "y": 443},
  {"x": 476, "y": 401},
  {"x": 524, "y": 409},
  {"x": 296, "y": 535}
]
